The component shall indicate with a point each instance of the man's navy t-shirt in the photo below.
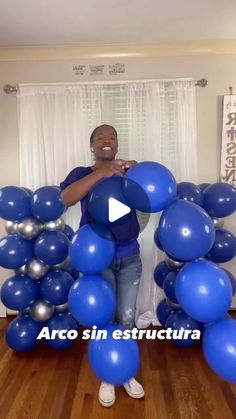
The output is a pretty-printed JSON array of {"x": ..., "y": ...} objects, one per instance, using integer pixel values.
[{"x": 125, "y": 233}]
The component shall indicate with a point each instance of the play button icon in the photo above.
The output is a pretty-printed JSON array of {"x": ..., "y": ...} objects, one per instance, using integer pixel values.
[{"x": 116, "y": 209}]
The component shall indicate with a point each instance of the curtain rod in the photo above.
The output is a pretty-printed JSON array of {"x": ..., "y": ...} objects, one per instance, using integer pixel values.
[{"x": 8, "y": 88}]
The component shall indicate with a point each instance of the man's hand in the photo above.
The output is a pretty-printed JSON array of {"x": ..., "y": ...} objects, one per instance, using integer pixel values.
[{"x": 130, "y": 163}]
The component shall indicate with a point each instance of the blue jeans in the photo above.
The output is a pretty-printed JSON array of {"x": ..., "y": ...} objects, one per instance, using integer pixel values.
[{"x": 124, "y": 275}]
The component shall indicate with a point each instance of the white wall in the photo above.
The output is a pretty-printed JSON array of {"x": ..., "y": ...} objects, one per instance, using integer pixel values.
[{"x": 219, "y": 70}]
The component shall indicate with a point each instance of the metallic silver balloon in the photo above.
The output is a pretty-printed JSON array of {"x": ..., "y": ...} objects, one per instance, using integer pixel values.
[
  {"x": 11, "y": 227},
  {"x": 41, "y": 311},
  {"x": 174, "y": 264},
  {"x": 218, "y": 222},
  {"x": 21, "y": 271},
  {"x": 58, "y": 224},
  {"x": 62, "y": 265},
  {"x": 61, "y": 308},
  {"x": 36, "y": 269},
  {"x": 29, "y": 228}
]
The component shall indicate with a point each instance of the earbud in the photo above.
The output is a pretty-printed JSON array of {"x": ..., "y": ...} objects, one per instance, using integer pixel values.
[{"x": 92, "y": 149}]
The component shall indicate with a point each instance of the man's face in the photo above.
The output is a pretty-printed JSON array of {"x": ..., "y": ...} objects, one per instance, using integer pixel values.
[{"x": 105, "y": 144}]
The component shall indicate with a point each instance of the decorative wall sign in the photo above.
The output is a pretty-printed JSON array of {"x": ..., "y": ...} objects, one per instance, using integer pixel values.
[
  {"x": 117, "y": 68},
  {"x": 228, "y": 148},
  {"x": 96, "y": 70},
  {"x": 79, "y": 70}
]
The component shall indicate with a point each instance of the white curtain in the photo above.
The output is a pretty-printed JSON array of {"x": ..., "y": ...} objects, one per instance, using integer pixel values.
[{"x": 155, "y": 120}]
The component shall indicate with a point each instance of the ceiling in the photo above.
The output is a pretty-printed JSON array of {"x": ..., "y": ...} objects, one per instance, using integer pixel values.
[{"x": 64, "y": 22}]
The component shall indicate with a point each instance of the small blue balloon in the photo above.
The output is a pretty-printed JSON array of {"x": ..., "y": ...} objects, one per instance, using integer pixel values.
[
  {"x": 180, "y": 321},
  {"x": 160, "y": 273},
  {"x": 92, "y": 301},
  {"x": 204, "y": 291},
  {"x": 55, "y": 287},
  {"x": 51, "y": 247},
  {"x": 164, "y": 310},
  {"x": 219, "y": 348},
  {"x": 203, "y": 186},
  {"x": 19, "y": 292},
  {"x": 112, "y": 360},
  {"x": 46, "y": 204},
  {"x": 149, "y": 186},
  {"x": 22, "y": 333},
  {"x": 68, "y": 231},
  {"x": 92, "y": 249},
  {"x": 186, "y": 231},
  {"x": 219, "y": 199},
  {"x": 169, "y": 286},
  {"x": 64, "y": 323},
  {"x": 224, "y": 247},
  {"x": 189, "y": 192},
  {"x": 14, "y": 203},
  {"x": 15, "y": 251}
]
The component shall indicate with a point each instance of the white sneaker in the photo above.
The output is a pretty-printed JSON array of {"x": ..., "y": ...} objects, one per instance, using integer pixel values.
[
  {"x": 134, "y": 389},
  {"x": 106, "y": 395}
]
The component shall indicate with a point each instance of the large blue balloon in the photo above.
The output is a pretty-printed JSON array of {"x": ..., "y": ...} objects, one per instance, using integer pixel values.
[
  {"x": 204, "y": 291},
  {"x": 92, "y": 248},
  {"x": 219, "y": 348},
  {"x": 219, "y": 199},
  {"x": 92, "y": 301},
  {"x": 14, "y": 203},
  {"x": 164, "y": 310},
  {"x": 55, "y": 287},
  {"x": 51, "y": 247},
  {"x": 149, "y": 186},
  {"x": 19, "y": 292},
  {"x": 160, "y": 273},
  {"x": 112, "y": 360},
  {"x": 46, "y": 204},
  {"x": 157, "y": 240},
  {"x": 186, "y": 231},
  {"x": 22, "y": 333},
  {"x": 169, "y": 286},
  {"x": 232, "y": 280},
  {"x": 203, "y": 186},
  {"x": 189, "y": 192},
  {"x": 15, "y": 251},
  {"x": 62, "y": 322},
  {"x": 224, "y": 247},
  {"x": 181, "y": 321}
]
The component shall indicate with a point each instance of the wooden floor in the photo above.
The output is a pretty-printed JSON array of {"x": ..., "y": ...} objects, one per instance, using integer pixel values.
[{"x": 49, "y": 384}]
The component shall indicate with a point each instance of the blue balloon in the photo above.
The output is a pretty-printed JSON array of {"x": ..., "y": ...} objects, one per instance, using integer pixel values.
[
  {"x": 92, "y": 248},
  {"x": 160, "y": 273},
  {"x": 224, "y": 247},
  {"x": 232, "y": 280},
  {"x": 180, "y": 321},
  {"x": 51, "y": 247},
  {"x": 73, "y": 272},
  {"x": 112, "y": 360},
  {"x": 219, "y": 348},
  {"x": 157, "y": 240},
  {"x": 55, "y": 287},
  {"x": 219, "y": 199},
  {"x": 14, "y": 203},
  {"x": 204, "y": 291},
  {"x": 149, "y": 186},
  {"x": 19, "y": 292},
  {"x": 92, "y": 301},
  {"x": 15, "y": 251},
  {"x": 189, "y": 192},
  {"x": 68, "y": 231},
  {"x": 169, "y": 286},
  {"x": 186, "y": 231},
  {"x": 164, "y": 310},
  {"x": 62, "y": 322},
  {"x": 46, "y": 204},
  {"x": 203, "y": 186},
  {"x": 22, "y": 333}
]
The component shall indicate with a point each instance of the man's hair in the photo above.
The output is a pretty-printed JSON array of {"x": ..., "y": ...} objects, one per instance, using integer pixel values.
[{"x": 100, "y": 126}]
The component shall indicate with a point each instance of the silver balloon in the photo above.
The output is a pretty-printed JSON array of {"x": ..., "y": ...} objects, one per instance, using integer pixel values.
[
  {"x": 174, "y": 264},
  {"x": 11, "y": 227},
  {"x": 21, "y": 271},
  {"x": 36, "y": 269},
  {"x": 41, "y": 311},
  {"x": 61, "y": 308},
  {"x": 58, "y": 224},
  {"x": 62, "y": 265},
  {"x": 29, "y": 228},
  {"x": 218, "y": 222}
]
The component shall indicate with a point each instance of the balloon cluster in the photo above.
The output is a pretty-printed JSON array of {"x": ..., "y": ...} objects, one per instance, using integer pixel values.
[
  {"x": 199, "y": 292},
  {"x": 36, "y": 247}
]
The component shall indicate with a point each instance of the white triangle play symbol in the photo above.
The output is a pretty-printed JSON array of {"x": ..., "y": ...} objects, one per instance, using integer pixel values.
[{"x": 116, "y": 209}]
